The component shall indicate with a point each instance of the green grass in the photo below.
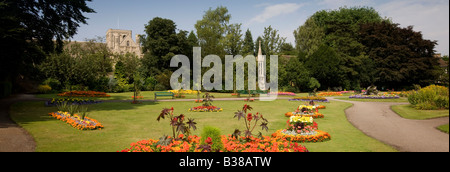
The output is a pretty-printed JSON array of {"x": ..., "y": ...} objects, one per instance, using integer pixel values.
[
  {"x": 126, "y": 123},
  {"x": 400, "y": 100},
  {"x": 149, "y": 95},
  {"x": 443, "y": 128},
  {"x": 409, "y": 112}
]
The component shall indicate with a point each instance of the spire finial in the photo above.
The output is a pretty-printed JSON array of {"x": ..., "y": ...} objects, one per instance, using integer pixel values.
[{"x": 259, "y": 51}]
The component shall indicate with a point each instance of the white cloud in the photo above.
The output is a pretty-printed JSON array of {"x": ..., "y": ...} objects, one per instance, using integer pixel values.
[
  {"x": 431, "y": 17},
  {"x": 336, "y": 4},
  {"x": 272, "y": 11}
]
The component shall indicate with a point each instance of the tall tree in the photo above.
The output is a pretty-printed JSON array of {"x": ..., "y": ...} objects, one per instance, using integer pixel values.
[
  {"x": 339, "y": 29},
  {"x": 211, "y": 30},
  {"x": 309, "y": 37},
  {"x": 160, "y": 44},
  {"x": 248, "y": 47},
  {"x": 401, "y": 56},
  {"x": 272, "y": 41},
  {"x": 323, "y": 66},
  {"x": 296, "y": 74},
  {"x": 28, "y": 29},
  {"x": 233, "y": 39},
  {"x": 192, "y": 39}
]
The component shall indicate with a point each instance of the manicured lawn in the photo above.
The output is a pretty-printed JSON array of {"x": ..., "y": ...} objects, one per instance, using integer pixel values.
[
  {"x": 401, "y": 99},
  {"x": 126, "y": 123},
  {"x": 149, "y": 95},
  {"x": 407, "y": 111}
]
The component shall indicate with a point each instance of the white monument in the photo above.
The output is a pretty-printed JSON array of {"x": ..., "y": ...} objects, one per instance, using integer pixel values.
[{"x": 261, "y": 69}]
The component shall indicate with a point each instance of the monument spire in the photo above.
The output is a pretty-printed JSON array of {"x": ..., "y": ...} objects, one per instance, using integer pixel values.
[
  {"x": 261, "y": 69},
  {"x": 259, "y": 51}
]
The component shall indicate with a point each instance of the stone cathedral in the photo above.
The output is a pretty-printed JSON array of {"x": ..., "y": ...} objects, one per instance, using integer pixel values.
[{"x": 121, "y": 41}]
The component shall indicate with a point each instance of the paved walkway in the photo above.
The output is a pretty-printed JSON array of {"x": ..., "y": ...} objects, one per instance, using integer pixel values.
[
  {"x": 14, "y": 138},
  {"x": 377, "y": 120}
]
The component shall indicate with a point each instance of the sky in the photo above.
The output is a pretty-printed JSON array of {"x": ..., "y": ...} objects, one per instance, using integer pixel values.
[{"x": 431, "y": 17}]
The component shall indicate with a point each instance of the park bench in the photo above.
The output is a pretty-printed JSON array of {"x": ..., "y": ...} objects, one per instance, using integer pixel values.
[
  {"x": 252, "y": 92},
  {"x": 164, "y": 94}
]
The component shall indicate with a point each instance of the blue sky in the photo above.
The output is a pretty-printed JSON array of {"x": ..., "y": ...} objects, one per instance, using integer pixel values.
[{"x": 431, "y": 17}]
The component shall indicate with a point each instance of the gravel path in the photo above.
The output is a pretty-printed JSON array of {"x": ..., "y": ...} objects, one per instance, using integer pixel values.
[{"x": 377, "y": 120}]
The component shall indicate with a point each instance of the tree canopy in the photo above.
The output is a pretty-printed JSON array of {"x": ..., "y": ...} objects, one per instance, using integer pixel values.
[
  {"x": 355, "y": 47},
  {"x": 31, "y": 29},
  {"x": 401, "y": 56}
]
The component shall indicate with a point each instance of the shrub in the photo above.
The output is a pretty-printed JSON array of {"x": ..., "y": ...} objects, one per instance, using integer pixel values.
[
  {"x": 44, "y": 88},
  {"x": 54, "y": 83},
  {"x": 215, "y": 135},
  {"x": 430, "y": 98}
]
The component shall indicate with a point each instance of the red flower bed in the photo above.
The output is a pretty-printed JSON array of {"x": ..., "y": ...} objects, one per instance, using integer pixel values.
[
  {"x": 230, "y": 144},
  {"x": 205, "y": 109},
  {"x": 84, "y": 94}
]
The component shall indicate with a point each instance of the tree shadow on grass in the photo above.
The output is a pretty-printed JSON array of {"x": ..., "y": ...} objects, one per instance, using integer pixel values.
[
  {"x": 119, "y": 105},
  {"x": 26, "y": 112}
]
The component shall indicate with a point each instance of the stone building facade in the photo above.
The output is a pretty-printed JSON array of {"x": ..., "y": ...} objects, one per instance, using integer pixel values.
[{"x": 121, "y": 41}]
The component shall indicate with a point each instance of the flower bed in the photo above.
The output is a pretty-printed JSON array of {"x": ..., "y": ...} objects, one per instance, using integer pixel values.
[
  {"x": 78, "y": 101},
  {"x": 307, "y": 111},
  {"x": 184, "y": 91},
  {"x": 84, "y": 94},
  {"x": 310, "y": 98},
  {"x": 314, "y": 115},
  {"x": 206, "y": 109},
  {"x": 316, "y": 136},
  {"x": 343, "y": 92},
  {"x": 76, "y": 122},
  {"x": 138, "y": 97},
  {"x": 329, "y": 94},
  {"x": 384, "y": 96},
  {"x": 321, "y": 107},
  {"x": 282, "y": 93},
  {"x": 230, "y": 144},
  {"x": 264, "y": 144}
]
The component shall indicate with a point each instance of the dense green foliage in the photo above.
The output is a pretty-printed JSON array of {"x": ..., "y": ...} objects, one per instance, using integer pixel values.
[
  {"x": 352, "y": 48},
  {"x": 430, "y": 98},
  {"x": 400, "y": 55},
  {"x": 30, "y": 30}
]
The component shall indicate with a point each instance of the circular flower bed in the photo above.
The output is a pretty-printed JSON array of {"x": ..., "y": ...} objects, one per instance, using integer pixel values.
[
  {"x": 315, "y": 99},
  {"x": 76, "y": 121},
  {"x": 289, "y": 135},
  {"x": 307, "y": 111},
  {"x": 383, "y": 96},
  {"x": 206, "y": 109},
  {"x": 314, "y": 115}
]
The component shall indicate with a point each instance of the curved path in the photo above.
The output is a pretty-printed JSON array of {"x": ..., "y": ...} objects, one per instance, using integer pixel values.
[
  {"x": 14, "y": 138},
  {"x": 377, "y": 120}
]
